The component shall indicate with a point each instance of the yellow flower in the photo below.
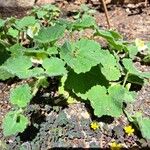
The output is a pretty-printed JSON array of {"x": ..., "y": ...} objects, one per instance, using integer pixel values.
[
  {"x": 115, "y": 146},
  {"x": 94, "y": 125},
  {"x": 129, "y": 130}
]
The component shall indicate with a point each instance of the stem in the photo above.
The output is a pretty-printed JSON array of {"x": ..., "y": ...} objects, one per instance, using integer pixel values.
[
  {"x": 125, "y": 79},
  {"x": 106, "y": 13}
]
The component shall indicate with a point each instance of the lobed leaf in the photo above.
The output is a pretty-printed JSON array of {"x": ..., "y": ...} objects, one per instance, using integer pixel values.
[
  {"x": 54, "y": 66},
  {"x": 86, "y": 21},
  {"x": 103, "y": 103},
  {"x": 20, "y": 66},
  {"x": 25, "y": 22},
  {"x": 128, "y": 64},
  {"x": 14, "y": 123},
  {"x": 50, "y": 34},
  {"x": 81, "y": 55},
  {"x": 81, "y": 83},
  {"x": 21, "y": 95}
]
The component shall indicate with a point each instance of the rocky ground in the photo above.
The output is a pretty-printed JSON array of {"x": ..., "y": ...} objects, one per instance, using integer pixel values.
[{"x": 69, "y": 126}]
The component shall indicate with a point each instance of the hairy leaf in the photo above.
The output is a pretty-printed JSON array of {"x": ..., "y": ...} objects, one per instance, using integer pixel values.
[
  {"x": 21, "y": 95},
  {"x": 114, "y": 39},
  {"x": 82, "y": 55},
  {"x": 14, "y": 123},
  {"x": 144, "y": 125},
  {"x": 110, "y": 66},
  {"x": 128, "y": 64},
  {"x": 86, "y": 21},
  {"x": 20, "y": 66},
  {"x": 81, "y": 83},
  {"x": 112, "y": 73},
  {"x": 106, "y": 104},
  {"x": 4, "y": 74},
  {"x": 25, "y": 22},
  {"x": 54, "y": 66},
  {"x": 50, "y": 34}
]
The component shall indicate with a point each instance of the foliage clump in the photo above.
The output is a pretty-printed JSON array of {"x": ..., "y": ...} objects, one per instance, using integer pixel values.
[{"x": 34, "y": 47}]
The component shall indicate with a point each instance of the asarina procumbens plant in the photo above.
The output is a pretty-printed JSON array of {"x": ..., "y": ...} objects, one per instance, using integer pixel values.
[{"x": 41, "y": 46}]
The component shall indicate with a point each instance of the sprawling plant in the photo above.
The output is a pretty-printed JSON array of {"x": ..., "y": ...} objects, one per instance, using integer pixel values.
[{"x": 31, "y": 49}]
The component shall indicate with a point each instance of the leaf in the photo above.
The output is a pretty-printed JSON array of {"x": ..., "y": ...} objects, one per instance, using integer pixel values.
[
  {"x": 144, "y": 125},
  {"x": 4, "y": 74},
  {"x": 103, "y": 103},
  {"x": 82, "y": 55},
  {"x": 41, "y": 13},
  {"x": 3, "y": 54},
  {"x": 20, "y": 66},
  {"x": 25, "y": 22},
  {"x": 13, "y": 32},
  {"x": 86, "y": 21},
  {"x": 110, "y": 66},
  {"x": 121, "y": 93},
  {"x": 2, "y": 22},
  {"x": 132, "y": 49},
  {"x": 114, "y": 39},
  {"x": 50, "y": 34},
  {"x": 128, "y": 64},
  {"x": 21, "y": 95},
  {"x": 62, "y": 91},
  {"x": 78, "y": 84},
  {"x": 112, "y": 73},
  {"x": 14, "y": 123},
  {"x": 54, "y": 66},
  {"x": 52, "y": 50},
  {"x": 16, "y": 49}
]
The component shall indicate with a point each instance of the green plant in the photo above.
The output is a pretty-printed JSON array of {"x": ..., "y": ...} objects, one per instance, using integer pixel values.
[
  {"x": 15, "y": 121},
  {"x": 88, "y": 71}
]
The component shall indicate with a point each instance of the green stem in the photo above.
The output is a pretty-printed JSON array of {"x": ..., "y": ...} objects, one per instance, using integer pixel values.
[{"x": 125, "y": 79}]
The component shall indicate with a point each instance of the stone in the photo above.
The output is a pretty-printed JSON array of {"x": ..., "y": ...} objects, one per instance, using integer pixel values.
[
  {"x": 40, "y": 2},
  {"x": 17, "y": 3}
]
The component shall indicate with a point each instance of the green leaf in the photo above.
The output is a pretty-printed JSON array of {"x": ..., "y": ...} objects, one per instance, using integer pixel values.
[
  {"x": 112, "y": 73},
  {"x": 132, "y": 50},
  {"x": 16, "y": 49},
  {"x": 4, "y": 74},
  {"x": 114, "y": 39},
  {"x": 144, "y": 125},
  {"x": 78, "y": 84},
  {"x": 14, "y": 123},
  {"x": 52, "y": 50},
  {"x": 50, "y": 34},
  {"x": 110, "y": 67},
  {"x": 86, "y": 22},
  {"x": 13, "y": 32},
  {"x": 121, "y": 93},
  {"x": 41, "y": 13},
  {"x": 3, "y": 54},
  {"x": 103, "y": 103},
  {"x": 25, "y": 22},
  {"x": 128, "y": 64},
  {"x": 20, "y": 66},
  {"x": 2, "y": 22},
  {"x": 62, "y": 91},
  {"x": 21, "y": 95},
  {"x": 54, "y": 66},
  {"x": 82, "y": 55}
]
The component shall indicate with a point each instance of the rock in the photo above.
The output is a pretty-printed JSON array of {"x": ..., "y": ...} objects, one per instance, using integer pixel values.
[
  {"x": 17, "y": 3},
  {"x": 40, "y": 2}
]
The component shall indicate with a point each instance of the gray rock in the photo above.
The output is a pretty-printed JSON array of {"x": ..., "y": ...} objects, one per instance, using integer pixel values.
[{"x": 17, "y": 3}]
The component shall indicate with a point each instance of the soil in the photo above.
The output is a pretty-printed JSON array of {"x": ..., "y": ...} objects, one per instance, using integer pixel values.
[{"x": 69, "y": 126}]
